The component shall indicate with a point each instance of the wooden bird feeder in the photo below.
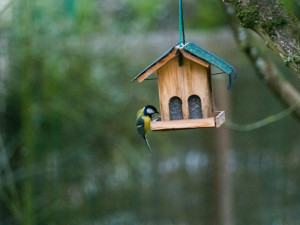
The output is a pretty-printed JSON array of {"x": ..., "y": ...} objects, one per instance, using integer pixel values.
[{"x": 184, "y": 85}]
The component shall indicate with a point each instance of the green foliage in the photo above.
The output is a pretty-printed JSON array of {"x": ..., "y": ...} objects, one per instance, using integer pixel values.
[
  {"x": 207, "y": 14},
  {"x": 292, "y": 6}
]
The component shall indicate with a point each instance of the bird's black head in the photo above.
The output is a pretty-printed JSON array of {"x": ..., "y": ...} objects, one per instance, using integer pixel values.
[{"x": 149, "y": 110}]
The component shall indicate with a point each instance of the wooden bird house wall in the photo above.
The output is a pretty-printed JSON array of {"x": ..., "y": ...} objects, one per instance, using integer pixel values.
[{"x": 185, "y": 91}]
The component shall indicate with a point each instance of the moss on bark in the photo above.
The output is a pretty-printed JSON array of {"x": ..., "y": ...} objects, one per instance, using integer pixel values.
[{"x": 274, "y": 24}]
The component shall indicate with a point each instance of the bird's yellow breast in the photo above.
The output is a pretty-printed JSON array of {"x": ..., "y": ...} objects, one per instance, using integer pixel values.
[{"x": 147, "y": 121}]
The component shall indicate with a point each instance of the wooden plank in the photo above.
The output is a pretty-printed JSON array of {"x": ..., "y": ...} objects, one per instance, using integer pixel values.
[
  {"x": 200, "y": 85},
  {"x": 219, "y": 118},
  {"x": 184, "y": 77},
  {"x": 195, "y": 59},
  {"x": 155, "y": 67},
  {"x": 167, "y": 86},
  {"x": 182, "y": 124},
  {"x": 216, "y": 121}
]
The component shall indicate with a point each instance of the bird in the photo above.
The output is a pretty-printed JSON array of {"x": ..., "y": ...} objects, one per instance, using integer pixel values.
[{"x": 143, "y": 119}]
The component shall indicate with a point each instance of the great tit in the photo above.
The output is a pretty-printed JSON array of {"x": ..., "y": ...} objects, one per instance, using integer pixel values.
[{"x": 143, "y": 119}]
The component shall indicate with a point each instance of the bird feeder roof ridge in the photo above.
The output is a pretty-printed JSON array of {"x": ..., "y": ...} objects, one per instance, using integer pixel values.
[{"x": 198, "y": 52}]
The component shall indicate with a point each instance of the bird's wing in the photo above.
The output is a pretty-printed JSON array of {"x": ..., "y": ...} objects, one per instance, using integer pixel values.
[
  {"x": 140, "y": 113},
  {"x": 140, "y": 126}
]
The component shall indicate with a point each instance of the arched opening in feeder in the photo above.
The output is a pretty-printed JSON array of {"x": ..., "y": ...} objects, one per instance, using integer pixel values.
[
  {"x": 175, "y": 108},
  {"x": 195, "y": 107}
]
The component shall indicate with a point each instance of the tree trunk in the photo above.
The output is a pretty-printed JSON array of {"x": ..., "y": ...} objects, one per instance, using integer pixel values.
[
  {"x": 27, "y": 130},
  {"x": 220, "y": 159}
]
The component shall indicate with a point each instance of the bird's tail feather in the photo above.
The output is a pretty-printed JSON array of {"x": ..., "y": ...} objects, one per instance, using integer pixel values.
[{"x": 148, "y": 145}]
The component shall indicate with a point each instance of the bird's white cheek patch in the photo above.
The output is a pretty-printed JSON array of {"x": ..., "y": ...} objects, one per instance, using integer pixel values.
[{"x": 150, "y": 111}]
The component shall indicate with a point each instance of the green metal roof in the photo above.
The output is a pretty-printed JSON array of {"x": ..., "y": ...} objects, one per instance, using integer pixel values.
[
  {"x": 209, "y": 57},
  {"x": 202, "y": 54}
]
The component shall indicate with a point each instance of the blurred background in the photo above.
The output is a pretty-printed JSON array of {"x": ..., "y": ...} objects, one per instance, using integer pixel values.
[{"x": 69, "y": 149}]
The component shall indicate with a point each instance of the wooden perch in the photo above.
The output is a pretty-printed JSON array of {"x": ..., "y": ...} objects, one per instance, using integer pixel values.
[{"x": 278, "y": 28}]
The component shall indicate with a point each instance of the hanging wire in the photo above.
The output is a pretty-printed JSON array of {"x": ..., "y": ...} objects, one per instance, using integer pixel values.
[
  {"x": 218, "y": 73},
  {"x": 264, "y": 122},
  {"x": 181, "y": 25},
  {"x": 151, "y": 78}
]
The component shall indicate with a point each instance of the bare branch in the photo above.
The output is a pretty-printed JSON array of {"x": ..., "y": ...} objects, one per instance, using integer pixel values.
[
  {"x": 265, "y": 67},
  {"x": 278, "y": 28}
]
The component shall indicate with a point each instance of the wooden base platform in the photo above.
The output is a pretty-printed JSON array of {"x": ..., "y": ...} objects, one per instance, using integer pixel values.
[{"x": 216, "y": 121}]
